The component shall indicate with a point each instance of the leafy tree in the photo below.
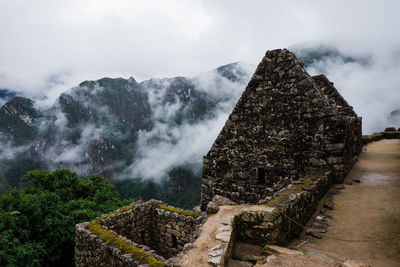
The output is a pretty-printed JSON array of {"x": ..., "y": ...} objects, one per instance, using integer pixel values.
[
  {"x": 181, "y": 188},
  {"x": 37, "y": 223}
]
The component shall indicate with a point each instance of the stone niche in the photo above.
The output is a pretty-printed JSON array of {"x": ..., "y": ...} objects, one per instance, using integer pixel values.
[
  {"x": 286, "y": 125},
  {"x": 142, "y": 233}
]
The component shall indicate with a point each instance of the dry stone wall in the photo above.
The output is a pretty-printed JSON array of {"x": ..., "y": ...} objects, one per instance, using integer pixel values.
[
  {"x": 172, "y": 231},
  {"x": 389, "y": 133},
  {"x": 284, "y": 127},
  {"x": 274, "y": 224},
  {"x": 142, "y": 233},
  {"x": 343, "y": 163}
]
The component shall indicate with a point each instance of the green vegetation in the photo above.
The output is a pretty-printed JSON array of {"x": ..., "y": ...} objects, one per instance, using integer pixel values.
[
  {"x": 181, "y": 211},
  {"x": 113, "y": 240},
  {"x": 121, "y": 210},
  {"x": 37, "y": 223},
  {"x": 307, "y": 184},
  {"x": 181, "y": 188},
  {"x": 11, "y": 123}
]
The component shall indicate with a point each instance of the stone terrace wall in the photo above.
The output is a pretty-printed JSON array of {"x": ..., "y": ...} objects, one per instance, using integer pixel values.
[
  {"x": 283, "y": 128},
  {"x": 298, "y": 201},
  {"x": 157, "y": 230}
]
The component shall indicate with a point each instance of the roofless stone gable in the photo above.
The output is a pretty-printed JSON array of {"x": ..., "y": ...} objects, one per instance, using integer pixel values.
[
  {"x": 335, "y": 98},
  {"x": 283, "y": 128}
]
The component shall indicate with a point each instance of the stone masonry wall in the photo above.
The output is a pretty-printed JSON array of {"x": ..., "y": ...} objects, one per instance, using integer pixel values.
[
  {"x": 283, "y": 128},
  {"x": 172, "y": 231},
  {"x": 389, "y": 133},
  {"x": 135, "y": 224},
  {"x": 91, "y": 251},
  {"x": 298, "y": 201},
  {"x": 353, "y": 138},
  {"x": 150, "y": 232}
]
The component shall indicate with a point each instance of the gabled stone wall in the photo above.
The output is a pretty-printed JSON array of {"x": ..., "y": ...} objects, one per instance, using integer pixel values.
[
  {"x": 284, "y": 127},
  {"x": 344, "y": 161},
  {"x": 333, "y": 95}
]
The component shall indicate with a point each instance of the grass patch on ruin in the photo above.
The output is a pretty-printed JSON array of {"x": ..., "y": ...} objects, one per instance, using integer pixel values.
[
  {"x": 138, "y": 254},
  {"x": 306, "y": 184},
  {"x": 119, "y": 211},
  {"x": 180, "y": 211}
]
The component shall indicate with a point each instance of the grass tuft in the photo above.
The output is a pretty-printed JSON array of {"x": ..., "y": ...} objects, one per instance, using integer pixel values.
[
  {"x": 180, "y": 211},
  {"x": 138, "y": 254}
]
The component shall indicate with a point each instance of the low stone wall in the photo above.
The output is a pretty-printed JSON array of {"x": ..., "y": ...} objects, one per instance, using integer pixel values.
[
  {"x": 172, "y": 231},
  {"x": 141, "y": 233},
  {"x": 136, "y": 223},
  {"x": 389, "y": 133},
  {"x": 272, "y": 225},
  {"x": 90, "y": 250}
]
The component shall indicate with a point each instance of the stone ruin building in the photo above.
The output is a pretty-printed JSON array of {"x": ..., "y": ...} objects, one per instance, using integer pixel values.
[
  {"x": 286, "y": 127},
  {"x": 142, "y": 233}
]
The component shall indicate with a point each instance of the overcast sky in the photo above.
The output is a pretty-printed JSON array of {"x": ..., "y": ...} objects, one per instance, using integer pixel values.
[{"x": 48, "y": 46}]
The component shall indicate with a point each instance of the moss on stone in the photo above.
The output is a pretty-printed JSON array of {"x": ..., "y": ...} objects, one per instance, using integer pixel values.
[
  {"x": 113, "y": 240},
  {"x": 180, "y": 211},
  {"x": 308, "y": 183},
  {"x": 119, "y": 211}
]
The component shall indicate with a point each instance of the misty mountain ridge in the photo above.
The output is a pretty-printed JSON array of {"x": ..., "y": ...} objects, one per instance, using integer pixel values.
[
  {"x": 109, "y": 126},
  {"x": 6, "y": 95},
  {"x": 147, "y": 138}
]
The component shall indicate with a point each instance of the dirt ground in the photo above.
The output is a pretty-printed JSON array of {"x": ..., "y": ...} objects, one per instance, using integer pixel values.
[
  {"x": 199, "y": 255},
  {"x": 367, "y": 210}
]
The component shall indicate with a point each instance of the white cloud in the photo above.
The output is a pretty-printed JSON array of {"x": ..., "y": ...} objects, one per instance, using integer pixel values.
[
  {"x": 169, "y": 145},
  {"x": 49, "y": 46}
]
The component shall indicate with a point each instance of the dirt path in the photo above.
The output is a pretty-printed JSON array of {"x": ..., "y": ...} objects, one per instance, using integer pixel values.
[
  {"x": 199, "y": 255},
  {"x": 367, "y": 210}
]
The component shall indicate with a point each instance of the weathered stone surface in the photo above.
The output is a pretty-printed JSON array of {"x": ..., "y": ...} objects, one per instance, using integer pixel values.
[
  {"x": 353, "y": 263},
  {"x": 247, "y": 252},
  {"x": 236, "y": 263},
  {"x": 212, "y": 208},
  {"x": 220, "y": 201},
  {"x": 314, "y": 233},
  {"x": 273, "y": 249},
  {"x": 329, "y": 203},
  {"x": 286, "y": 124},
  {"x": 339, "y": 186},
  {"x": 223, "y": 236},
  {"x": 215, "y": 261}
]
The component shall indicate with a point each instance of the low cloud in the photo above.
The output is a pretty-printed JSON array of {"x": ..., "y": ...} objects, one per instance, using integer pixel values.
[
  {"x": 369, "y": 82},
  {"x": 169, "y": 145},
  {"x": 9, "y": 151}
]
